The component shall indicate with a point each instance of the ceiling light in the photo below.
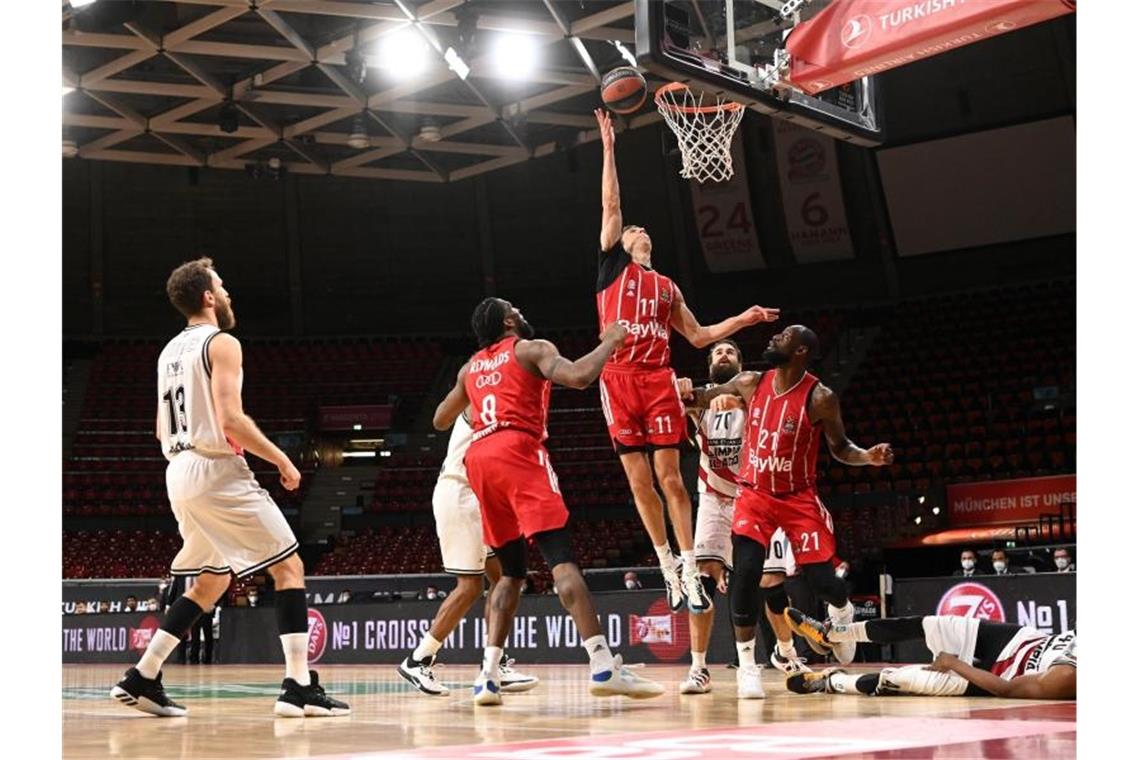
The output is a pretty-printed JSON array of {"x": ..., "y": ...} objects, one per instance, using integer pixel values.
[
  {"x": 359, "y": 454},
  {"x": 429, "y": 132},
  {"x": 403, "y": 54},
  {"x": 456, "y": 64},
  {"x": 67, "y": 90},
  {"x": 228, "y": 118},
  {"x": 921, "y": 499},
  {"x": 77, "y": 4},
  {"x": 516, "y": 55},
  {"x": 936, "y": 510},
  {"x": 918, "y": 520},
  {"x": 359, "y": 137}
]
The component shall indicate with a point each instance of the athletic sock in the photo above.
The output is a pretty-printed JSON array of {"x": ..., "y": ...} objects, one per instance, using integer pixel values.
[
  {"x": 601, "y": 658},
  {"x": 689, "y": 559},
  {"x": 428, "y": 647},
  {"x": 296, "y": 648},
  {"x": 844, "y": 614},
  {"x": 491, "y": 658},
  {"x": 698, "y": 659},
  {"x": 161, "y": 645},
  {"x": 664, "y": 556},
  {"x": 787, "y": 649},
  {"x": 746, "y": 653},
  {"x": 848, "y": 632}
]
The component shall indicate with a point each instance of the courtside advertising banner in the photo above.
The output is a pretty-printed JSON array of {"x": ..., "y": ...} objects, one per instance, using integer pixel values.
[
  {"x": 111, "y": 637},
  {"x": 812, "y": 196},
  {"x": 1045, "y": 601},
  {"x": 724, "y": 220},
  {"x": 860, "y": 38},
  {"x": 1009, "y": 501}
]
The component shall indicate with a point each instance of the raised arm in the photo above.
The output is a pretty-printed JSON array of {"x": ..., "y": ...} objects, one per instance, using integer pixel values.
[
  {"x": 825, "y": 410},
  {"x": 453, "y": 403},
  {"x": 742, "y": 386},
  {"x": 611, "y": 194},
  {"x": 542, "y": 357},
  {"x": 1058, "y": 682},
  {"x": 700, "y": 336},
  {"x": 224, "y": 353}
]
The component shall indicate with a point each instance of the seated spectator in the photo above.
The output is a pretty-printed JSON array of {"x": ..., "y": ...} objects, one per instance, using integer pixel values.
[
  {"x": 81, "y": 608},
  {"x": 152, "y": 604},
  {"x": 1001, "y": 564},
  {"x": 969, "y": 561},
  {"x": 632, "y": 581},
  {"x": 431, "y": 593},
  {"x": 132, "y": 603},
  {"x": 1063, "y": 561},
  {"x": 104, "y": 607}
]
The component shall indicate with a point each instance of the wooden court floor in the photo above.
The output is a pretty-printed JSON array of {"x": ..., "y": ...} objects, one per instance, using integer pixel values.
[{"x": 231, "y": 717}]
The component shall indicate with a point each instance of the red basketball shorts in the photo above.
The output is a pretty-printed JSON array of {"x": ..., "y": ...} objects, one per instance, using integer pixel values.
[
  {"x": 517, "y": 489},
  {"x": 801, "y": 514},
  {"x": 642, "y": 407}
]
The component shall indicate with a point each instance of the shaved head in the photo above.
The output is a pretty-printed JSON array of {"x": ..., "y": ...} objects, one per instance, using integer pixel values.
[{"x": 805, "y": 336}]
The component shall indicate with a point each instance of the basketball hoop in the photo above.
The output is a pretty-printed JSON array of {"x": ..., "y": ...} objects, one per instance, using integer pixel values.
[{"x": 704, "y": 132}]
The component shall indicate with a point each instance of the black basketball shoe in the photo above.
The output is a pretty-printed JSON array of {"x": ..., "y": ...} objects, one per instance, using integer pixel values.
[
  {"x": 146, "y": 695},
  {"x": 297, "y": 701}
]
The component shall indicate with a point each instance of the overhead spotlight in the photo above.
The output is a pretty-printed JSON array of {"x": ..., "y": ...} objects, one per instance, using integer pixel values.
[
  {"x": 429, "y": 132},
  {"x": 456, "y": 63},
  {"x": 936, "y": 510},
  {"x": 921, "y": 499},
  {"x": 516, "y": 55},
  {"x": 918, "y": 520},
  {"x": 228, "y": 118},
  {"x": 403, "y": 54},
  {"x": 358, "y": 138}
]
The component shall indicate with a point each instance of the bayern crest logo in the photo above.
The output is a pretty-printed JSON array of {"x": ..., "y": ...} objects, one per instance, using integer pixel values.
[
  {"x": 318, "y": 635},
  {"x": 972, "y": 600}
]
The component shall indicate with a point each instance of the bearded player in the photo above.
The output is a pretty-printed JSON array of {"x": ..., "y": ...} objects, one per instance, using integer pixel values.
[
  {"x": 643, "y": 412},
  {"x": 788, "y": 409},
  {"x": 972, "y": 658},
  {"x": 507, "y": 382},
  {"x": 720, "y": 433}
]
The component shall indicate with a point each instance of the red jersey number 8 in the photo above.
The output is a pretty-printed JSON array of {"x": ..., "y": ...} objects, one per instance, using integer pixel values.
[{"x": 487, "y": 413}]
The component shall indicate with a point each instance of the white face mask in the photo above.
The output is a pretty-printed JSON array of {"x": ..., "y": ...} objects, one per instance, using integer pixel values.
[
  {"x": 999, "y": 566},
  {"x": 431, "y": 595},
  {"x": 840, "y": 572},
  {"x": 631, "y": 585},
  {"x": 252, "y": 599},
  {"x": 967, "y": 564},
  {"x": 1062, "y": 562}
]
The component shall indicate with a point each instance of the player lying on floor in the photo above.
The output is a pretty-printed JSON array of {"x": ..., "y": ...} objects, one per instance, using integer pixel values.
[{"x": 972, "y": 658}]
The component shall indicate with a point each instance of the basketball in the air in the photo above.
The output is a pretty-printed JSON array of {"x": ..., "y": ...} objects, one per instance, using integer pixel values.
[{"x": 623, "y": 90}]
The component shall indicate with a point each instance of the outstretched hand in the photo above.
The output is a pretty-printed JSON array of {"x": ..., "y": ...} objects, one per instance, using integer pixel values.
[
  {"x": 605, "y": 127},
  {"x": 880, "y": 454},
  {"x": 685, "y": 387},
  {"x": 755, "y": 314}
]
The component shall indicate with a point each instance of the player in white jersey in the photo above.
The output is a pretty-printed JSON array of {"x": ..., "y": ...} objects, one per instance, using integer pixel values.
[
  {"x": 460, "y": 529},
  {"x": 972, "y": 657},
  {"x": 719, "y": 437},
  {"x": 229, "y": 524}
]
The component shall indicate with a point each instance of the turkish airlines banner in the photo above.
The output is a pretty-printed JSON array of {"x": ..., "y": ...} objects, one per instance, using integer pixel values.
[
  {"x": 851, "y": 39},
  {"x": 1009, "y": 501},
  {"x": 724, "y": 220},
  {"x": 813, "y": 199}
]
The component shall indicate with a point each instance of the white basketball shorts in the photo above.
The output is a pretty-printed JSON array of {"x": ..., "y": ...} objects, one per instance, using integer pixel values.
[
  {"x": 951, "y": 633},
  {"x": 780, "y": 558},
  {"x": 459, "y": 527},
  {"x": 713, "y": 536},
  {"x": 228, "y": 522}
]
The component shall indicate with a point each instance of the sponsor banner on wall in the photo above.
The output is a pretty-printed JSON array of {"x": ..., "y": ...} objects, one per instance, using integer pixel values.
[
  {"x": 360, "y": 417},
  {"x": 812, "y": 196},
  {"x": 724, "y": 219},
  {"x": 1045, "y": 601},
  {"x": 115, "y": 592},
  {"x": 636, "y": 623},
  {"x": 108, "y": 638},
  {"x": 1009, "y": 501}
]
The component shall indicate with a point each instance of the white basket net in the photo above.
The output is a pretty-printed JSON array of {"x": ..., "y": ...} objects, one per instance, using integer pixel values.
[{"x": 704, "y": 132}]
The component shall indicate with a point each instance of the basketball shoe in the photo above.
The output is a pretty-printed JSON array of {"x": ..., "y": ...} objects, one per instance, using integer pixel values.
[
  {"x": 146, "y": 695},
  {"x": 487, "y": 689},
  {"x": 420, "y": 674},
  {"x": 621, "y": 681},
  {"x": 748, "y": 683},
  {"x": 789, "y": 665},
  {"x": 812, "y": 682},
  {"x": 699, "y": 601},
  {"x": 513, "y": 681},
  {"x": 674, "y": 589},
  {"x": 297, "y": 701},
  {"x": 813, "y": 631},
  {"x": 698, "y": 682}
]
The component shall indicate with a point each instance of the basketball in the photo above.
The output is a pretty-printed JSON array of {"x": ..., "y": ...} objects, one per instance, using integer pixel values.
[{"x": 623, "y": 90}]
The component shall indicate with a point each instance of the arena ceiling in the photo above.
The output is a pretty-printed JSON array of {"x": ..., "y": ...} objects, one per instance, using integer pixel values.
[{"x": 152, "y": 82}]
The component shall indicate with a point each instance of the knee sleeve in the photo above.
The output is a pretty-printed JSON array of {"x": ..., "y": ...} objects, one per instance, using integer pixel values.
[
  {"x": 555, "y": 546},
  {"x": 181, "y": 616},
  {"x": 744, "y": 585},
  {"x": 916, "y": 679},
  {"x": 776, "y": 599},
  {"x": 512, "y": 558},
  {"x": 824, "y": 583}
]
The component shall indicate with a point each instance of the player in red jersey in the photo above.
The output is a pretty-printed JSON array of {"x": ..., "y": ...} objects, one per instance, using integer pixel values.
[
  {"x": 787, "y": 409},
  {"x": 507, "y": 382},
  {"x": 643, "y": 412}
]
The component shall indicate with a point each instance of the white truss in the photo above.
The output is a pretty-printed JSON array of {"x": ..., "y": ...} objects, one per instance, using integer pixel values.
[{"x": 196, "y": 143}]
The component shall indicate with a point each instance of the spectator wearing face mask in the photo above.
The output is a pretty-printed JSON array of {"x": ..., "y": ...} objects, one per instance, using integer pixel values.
[
  {"x": 152, "y": 604},
  {"x": 631, "y": 581},
  {"x": 1001, "y": 564},
  {"x": 969, "y": 561},
  {"x": 432, "y": 593},
  {"x": 252, "y": 596},
  {"x": 1063, "y": 561}
]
